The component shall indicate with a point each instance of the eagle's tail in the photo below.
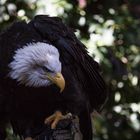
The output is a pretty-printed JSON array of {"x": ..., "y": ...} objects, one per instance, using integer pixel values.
[{"x": 85, "y": 125}]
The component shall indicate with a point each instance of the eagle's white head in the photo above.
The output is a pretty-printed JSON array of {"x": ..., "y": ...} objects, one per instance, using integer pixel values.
[{"x": 37, "y": 65}]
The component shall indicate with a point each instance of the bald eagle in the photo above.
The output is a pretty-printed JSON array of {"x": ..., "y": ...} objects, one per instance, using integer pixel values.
[{"x": 45, "y": 73}]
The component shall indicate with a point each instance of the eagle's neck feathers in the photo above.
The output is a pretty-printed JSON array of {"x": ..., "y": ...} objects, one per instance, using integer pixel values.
[{"x": 27, "y": 62}]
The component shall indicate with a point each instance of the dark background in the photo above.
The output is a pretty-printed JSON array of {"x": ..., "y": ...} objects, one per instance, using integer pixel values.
[{"x": 111, "y": 31}]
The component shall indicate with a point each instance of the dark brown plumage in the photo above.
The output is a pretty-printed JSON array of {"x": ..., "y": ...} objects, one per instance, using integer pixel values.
[{"x": 27, "y": 107}]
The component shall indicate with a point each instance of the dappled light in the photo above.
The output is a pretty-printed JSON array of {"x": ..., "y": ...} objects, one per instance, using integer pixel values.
[{"x": 111, "y": 32}]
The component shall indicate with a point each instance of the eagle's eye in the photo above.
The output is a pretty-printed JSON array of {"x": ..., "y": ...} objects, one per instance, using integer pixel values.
[{"x": 46, "y": 69}]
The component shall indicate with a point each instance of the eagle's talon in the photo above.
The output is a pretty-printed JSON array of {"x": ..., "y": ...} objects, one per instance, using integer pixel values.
[{"x": 55, "y": 118}]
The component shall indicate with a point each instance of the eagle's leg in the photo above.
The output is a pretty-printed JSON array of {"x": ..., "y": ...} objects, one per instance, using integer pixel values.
[{"x": 55, "y": 118}]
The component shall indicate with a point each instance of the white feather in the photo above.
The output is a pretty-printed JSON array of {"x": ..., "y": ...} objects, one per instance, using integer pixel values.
[{"x": 26, "y": 66}]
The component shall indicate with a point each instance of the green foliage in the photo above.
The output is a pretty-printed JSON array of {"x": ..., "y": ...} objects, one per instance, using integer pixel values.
[{"x": 111, "y": 32}]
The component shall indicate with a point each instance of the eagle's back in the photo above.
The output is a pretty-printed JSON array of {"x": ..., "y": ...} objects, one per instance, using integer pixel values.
[{"x": 73, "y": 55}]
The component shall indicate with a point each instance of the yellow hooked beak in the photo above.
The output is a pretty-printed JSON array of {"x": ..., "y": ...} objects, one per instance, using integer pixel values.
[{"x": 58, "y": 79}]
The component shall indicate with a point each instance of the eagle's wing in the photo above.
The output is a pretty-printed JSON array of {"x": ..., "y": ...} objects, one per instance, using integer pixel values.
[
  {"x": 73, "y": 53},
  {"x": 3, "y": 113},
  {"x": 14, "y": 37}
]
